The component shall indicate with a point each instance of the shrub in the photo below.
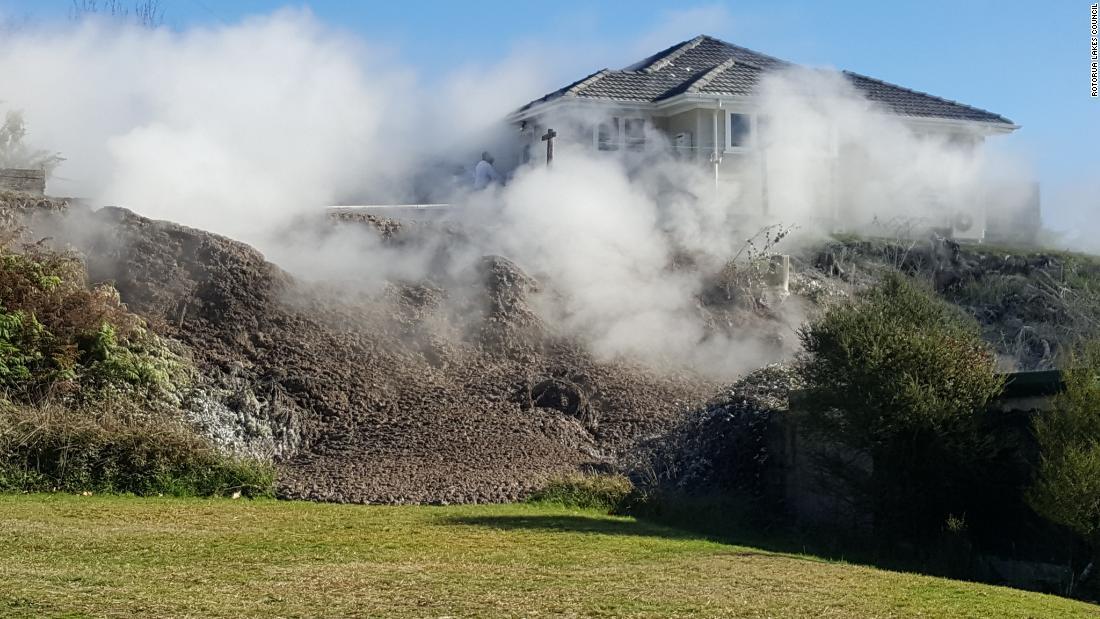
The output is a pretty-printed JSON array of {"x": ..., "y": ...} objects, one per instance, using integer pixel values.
[
  {"x": 122, "y": 449},
  {"x": 60, "y": 336},
  {"x": 722, "y": 448},
  {"x": 14, "y": 153},
  {"x": 897, "y": 384},
  {"x": 143, "y": 361},
  {"x": 21, "y": 356},
  {"x": 603, "y": 492},
  {"x": 1066, "y": 489},
  {"x": 88, "y": 395},
  {"x": 746, "y": 276}
]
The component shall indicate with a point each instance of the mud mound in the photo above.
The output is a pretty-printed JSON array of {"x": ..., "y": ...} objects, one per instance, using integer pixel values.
[
  {"x": 510, "y": 326},
  {"x": 390, "y": 398}
]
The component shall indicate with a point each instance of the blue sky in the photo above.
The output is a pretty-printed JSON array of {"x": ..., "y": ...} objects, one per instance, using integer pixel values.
[{"x": 1028, "y": 61}]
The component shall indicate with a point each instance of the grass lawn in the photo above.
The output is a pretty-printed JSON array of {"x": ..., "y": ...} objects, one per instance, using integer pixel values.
[{"x": 75, "y": 556}]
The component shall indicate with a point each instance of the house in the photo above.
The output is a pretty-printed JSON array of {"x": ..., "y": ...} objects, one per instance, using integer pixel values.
[{"x": 700, "y": 95}]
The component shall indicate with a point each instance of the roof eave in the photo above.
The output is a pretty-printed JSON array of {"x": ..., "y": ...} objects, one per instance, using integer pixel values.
[
  {"x": 987, "y": 127},
  {"x": 543, "y": 107}
]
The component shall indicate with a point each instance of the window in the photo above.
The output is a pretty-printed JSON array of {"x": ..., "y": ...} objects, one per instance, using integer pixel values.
[
  {"x": 739, "y": 128},
  {"x": 607, "y": 135},
  {"x": 617, "y": 133},
  {"x": 634, "y": 133}
]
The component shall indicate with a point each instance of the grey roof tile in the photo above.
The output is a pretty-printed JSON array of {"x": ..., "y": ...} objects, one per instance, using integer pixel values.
[
  {"x": 916, "y": 103},
  {"x": 706, "y": 65}
]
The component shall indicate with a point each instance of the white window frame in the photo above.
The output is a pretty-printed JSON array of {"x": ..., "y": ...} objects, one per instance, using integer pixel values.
[
  {"x": 618, "y": 123},
  {"x": 616, "y": 141},
  {"x": 751, "y": 143},
  {"x": 640, "y": 146}
]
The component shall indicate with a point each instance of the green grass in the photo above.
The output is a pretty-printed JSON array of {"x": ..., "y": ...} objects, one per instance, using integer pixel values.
[
  {"x": 606, "y": 493},
  {"x": 72, "y": 556}
]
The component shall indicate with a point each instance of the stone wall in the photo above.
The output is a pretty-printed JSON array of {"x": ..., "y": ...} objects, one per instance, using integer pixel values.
[
  {"x": 815, "y": 496},
  {"x": 812, "y": 496},
  {"x": 30, "y": 181}
]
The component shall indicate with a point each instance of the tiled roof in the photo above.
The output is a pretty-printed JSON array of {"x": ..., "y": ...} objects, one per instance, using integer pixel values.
[
  {"x": 705, "y": 65},
  {"x": 916, "y": 103}
]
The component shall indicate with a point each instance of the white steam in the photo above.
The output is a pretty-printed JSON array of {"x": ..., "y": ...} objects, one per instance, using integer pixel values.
[
  {"x": 234, "y": 128},
  {"x": 240, "y": 129}
]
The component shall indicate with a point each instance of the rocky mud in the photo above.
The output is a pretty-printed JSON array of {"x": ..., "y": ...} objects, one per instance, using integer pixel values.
[
  {"x": 424, "y": 392},
  {"x": 452, "y": 389}
]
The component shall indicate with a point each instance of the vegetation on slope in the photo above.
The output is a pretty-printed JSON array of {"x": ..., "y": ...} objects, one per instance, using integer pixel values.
[
  {"x": 116, "y": 448},
  {"x": 1067, "y": 483},
  {"x": 1032, "y": 305},
  {"x": 899, "y": 381},
  {"x": 606, "y": 493},
  {"x": 916, "y": 464},
  {"x": 88, "y": 395},
  {"x": 61, "y": 339}
]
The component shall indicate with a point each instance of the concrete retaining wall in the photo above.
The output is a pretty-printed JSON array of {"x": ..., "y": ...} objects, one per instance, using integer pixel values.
[
  {"x": 30, "y": 181},
  {"x": 815, "y": 496}
]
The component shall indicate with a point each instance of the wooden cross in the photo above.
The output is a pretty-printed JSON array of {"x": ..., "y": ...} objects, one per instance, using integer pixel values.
[{"x": 549, "y": 139}]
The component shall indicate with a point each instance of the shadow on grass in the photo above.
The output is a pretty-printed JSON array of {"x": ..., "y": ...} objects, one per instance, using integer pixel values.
[
  {"x": 573, "y": 523},
  {"x": 754, "y": 530},
  {"x": 642, "y": 527},
  {"x": 721, "y": 521}
]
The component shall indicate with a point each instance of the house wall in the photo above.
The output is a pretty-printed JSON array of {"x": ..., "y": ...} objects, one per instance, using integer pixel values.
[
  {"x": 705, "y": 127},
  {"x": 699, "y": 122},
  {"x": 738, "y": 174},
  {"x": 685, "y": 122},
  {"x": 754, "y": 179}
]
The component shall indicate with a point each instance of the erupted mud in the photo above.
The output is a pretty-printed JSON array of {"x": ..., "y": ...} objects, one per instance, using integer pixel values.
[{"x": 421, "y": 392}]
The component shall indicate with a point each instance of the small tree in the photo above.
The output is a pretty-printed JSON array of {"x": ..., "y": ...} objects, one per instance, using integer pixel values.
[
  {"x": 14, "y": 153},
  {"x": 1067, "y": 484},
  {"x": 898, "y": 381}
]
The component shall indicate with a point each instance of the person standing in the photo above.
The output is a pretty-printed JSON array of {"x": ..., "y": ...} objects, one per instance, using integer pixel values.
[{"x": 484, "y": 172}]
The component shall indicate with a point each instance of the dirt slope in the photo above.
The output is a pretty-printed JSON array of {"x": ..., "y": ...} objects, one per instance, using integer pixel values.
[{"x": 384, "y": 399}]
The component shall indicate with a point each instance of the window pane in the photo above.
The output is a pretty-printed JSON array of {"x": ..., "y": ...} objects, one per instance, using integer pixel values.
[
  {"x": 739, "y": 130},
  {"x": 608, "y": 135},
  {"x": 634, "y": 131}
]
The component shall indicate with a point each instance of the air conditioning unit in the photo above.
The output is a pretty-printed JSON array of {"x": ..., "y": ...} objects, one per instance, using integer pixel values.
[{"x": 968, "y": 225}]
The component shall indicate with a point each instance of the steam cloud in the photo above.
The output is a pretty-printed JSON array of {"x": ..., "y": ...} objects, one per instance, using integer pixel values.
[
  {"x": 239, "y": 129},
  {"x": 228, "y": 126}
]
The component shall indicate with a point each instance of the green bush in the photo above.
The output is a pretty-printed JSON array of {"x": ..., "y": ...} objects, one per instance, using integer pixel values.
[
  {"x": 87, "y": 394},
  {"x": 58, "y": 336},
  {"x": 47, "y": 449},
  {"x": 1067, "y": 483},
  {"x": 607, "y": 493},
  {"x": 21, "y": 356},
  {"x": 898, "y": 382},
  {"x": 143, "y": 362}
]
